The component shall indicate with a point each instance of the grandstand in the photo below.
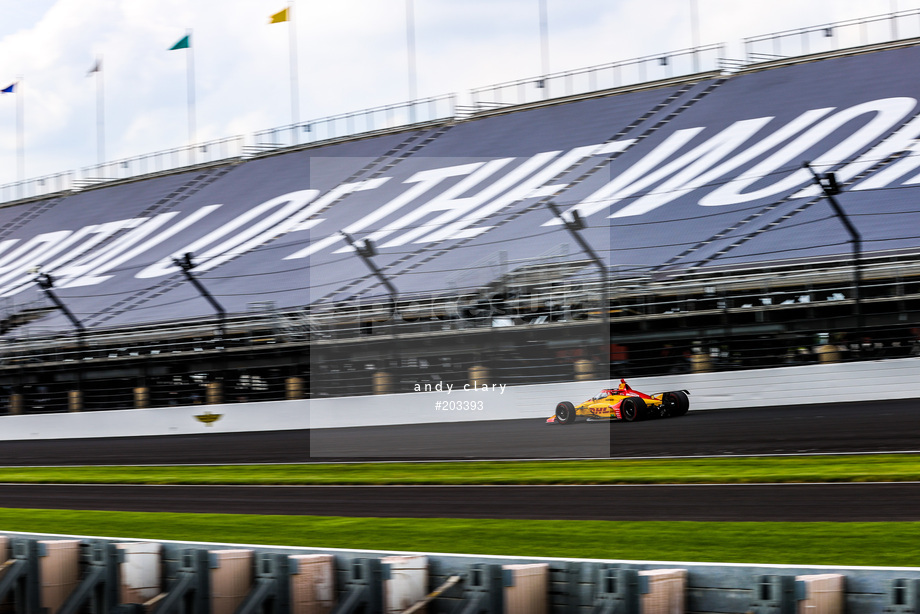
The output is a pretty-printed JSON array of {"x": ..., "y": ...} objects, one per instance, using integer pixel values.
[{"x": 719, "y": 249}]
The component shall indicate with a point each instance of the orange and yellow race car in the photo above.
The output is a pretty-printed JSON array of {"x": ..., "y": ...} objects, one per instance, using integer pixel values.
[{"x": 624, "y": 403}]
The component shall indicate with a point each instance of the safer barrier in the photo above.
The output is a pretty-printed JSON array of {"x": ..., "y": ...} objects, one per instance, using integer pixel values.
[
  {"x": 808, "y": 384},
  {"x": 107, "y": 575}
]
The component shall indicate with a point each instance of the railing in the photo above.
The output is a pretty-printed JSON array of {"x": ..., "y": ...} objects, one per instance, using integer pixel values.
[
  {"x": 596, "y": 78},
  {"x": 31, "y": 188},
  {"x": 833, "y": 36},
  {"x": 160, "y": 161},
  {"x": 358, "y": 122}
]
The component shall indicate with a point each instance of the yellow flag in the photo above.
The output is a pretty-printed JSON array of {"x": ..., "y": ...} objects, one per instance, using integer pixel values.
[{"x": 280, "y": 16}]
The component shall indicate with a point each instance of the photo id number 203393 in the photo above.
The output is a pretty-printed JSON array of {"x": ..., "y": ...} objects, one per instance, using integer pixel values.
[{"x": 459, "y": 405}]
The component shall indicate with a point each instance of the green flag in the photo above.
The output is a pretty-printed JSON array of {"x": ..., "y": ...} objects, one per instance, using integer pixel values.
[{"x": 182, "y": 44}]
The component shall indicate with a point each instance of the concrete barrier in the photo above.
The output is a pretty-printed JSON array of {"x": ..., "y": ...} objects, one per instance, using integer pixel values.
[
  {"x": 802, "y": 385},
  {"x": 184, "y": 420},
  {"x": 572, "y": 585}
]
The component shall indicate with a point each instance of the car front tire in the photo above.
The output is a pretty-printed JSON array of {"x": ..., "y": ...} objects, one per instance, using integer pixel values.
[
  {"x": 565, "y": 413},
  {"x": 633, "y": 409}
]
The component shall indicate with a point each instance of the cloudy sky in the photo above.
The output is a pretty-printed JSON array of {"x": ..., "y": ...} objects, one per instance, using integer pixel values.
[{"x": 351, "y": 55}]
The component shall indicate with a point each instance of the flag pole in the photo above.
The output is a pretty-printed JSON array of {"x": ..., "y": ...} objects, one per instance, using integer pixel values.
[
  {"x": 695, "y": 34},
  {"x": 295, "y": 87},
  {"x": 100, "y": 112},
  {"x": 191, "y": 95},
  {"x": 544, "y": 47},
  {"x": 20, "y": 135},
  {"x": 410, "y": 57}
]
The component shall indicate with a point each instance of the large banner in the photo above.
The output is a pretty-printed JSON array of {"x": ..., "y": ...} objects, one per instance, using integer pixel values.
[{"x": 701, "y": 175}]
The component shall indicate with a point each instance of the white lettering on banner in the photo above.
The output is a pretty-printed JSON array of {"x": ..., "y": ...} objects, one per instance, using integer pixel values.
[
  {"x": 431, "y": 208},
  {"x": 910, "y": 163},
  {"x": 89, "y": 270},
  {"x": 100, "y": 234},
  {"x": 904, "y": 140},
  {"x": 695, "y": 175},
  {"x": 242, "y": 242},
  {"x": 5, "y": 245},
  {"x": 67, "y": 275},
  {"x": 448, "y": 201},
  {"x": 535, "y": 187},
  {"x": 279, "y": 224},
  {"x": 694, "y": 164},
  {"x": 611, "y": 192},
  {"x": 436, "y": 175},
  {"x": 300, "y": 222},
  {"x": 898, "y": 109},
  {"x": 455, "y": 229},
  {"x": 294, "y": 200},
  {"x": 424, "y": 180},
  {"x": 31, "y": 251},
  {"x": 17, "y": 280},
  {"x": 888, "y": 111}
]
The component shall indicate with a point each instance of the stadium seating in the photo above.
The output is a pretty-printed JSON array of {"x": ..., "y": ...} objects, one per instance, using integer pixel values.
[{"x": 458, "y": 170}]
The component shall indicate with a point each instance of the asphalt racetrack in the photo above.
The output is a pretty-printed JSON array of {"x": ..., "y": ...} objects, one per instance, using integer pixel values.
[
  {"x": 884, "y": 426},
  {"x": 767, "y": 502}
]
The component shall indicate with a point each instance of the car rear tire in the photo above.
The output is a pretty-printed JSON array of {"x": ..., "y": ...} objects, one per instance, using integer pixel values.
[
  {"x": 633, "y": 409},
  {"x": 565, "y": 413},
  {"x": 675, "y": 403}
]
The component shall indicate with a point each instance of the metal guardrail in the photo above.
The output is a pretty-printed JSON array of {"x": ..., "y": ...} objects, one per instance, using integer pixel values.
[
  {"x": 161, "y": 161},
  {"x": 32, "y": 188},
  {"x": 597, "y": 78},
  {"x": 833, "y": 36},
  {"x": 178, "y": 158},
  {"x": 358, "y": 122}
]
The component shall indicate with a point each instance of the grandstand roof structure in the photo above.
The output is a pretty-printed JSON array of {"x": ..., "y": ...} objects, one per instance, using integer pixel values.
[{"x": 689, "y": 174}]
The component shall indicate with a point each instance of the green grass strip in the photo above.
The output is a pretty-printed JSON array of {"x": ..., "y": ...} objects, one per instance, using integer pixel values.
[
  {"x": 859, "y": 468},
  {"x": 865, "y": 543}
]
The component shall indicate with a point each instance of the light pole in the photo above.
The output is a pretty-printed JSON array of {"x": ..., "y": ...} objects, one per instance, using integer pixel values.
[
  {"x": 366, "y": 252},
  {"x": 186, "y": 264},
  {"x": 46, "y": 283},
  {"x": 828, "y": 184},
  {"x": 574, "y": 226}
]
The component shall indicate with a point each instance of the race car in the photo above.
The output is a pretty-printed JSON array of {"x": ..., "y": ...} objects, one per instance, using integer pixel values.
[{"x": 624, "y": 403}]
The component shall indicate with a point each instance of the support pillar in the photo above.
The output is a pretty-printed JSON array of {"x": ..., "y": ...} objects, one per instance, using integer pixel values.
[
  {"x": 141, "y": 397},
  {"x": 478, "y": 375},
  {"x": 584, "y": 370},
  {"x": 294, "y": 387},
  {"x": 215, "y": 393},
  {"x": 75, "y": 400},
  {"x": 700, "y": 363},
  {"x": 828, "y": 353},
  {"x": 383, "y": 382}
]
